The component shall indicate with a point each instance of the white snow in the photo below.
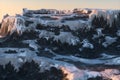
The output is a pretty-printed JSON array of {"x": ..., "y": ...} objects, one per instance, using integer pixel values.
[
  {"x": 108, "y": 41},
  {"x": 77, "y": 24},
  {"x": 118, "y": 33},
  {"x": 17, "y": 24},
  {"x": 67, "y": 37},
  {"x": 46, "y": 34},
  {"x": 114, "y": 61},
  {"x": 32, "y": 44},
  {"x": 86, "y": 44},
  {"x": 92, "y": 74},
  {"x": 45, "y": 63},
  {"x": 63, "y": 37}
]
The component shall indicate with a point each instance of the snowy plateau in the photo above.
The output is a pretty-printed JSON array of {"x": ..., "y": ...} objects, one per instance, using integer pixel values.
[{"x": 50, "y": 44}]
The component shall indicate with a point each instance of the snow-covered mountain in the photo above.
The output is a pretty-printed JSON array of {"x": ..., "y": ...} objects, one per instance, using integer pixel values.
[{"x": 83, "y": 43}]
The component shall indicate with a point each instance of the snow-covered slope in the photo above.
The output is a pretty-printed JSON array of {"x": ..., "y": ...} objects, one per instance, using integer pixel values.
[{"x": 84, "y": 43}]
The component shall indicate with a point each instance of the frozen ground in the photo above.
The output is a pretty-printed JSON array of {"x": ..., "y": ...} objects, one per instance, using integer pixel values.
[{"x": 70, "y": 41}]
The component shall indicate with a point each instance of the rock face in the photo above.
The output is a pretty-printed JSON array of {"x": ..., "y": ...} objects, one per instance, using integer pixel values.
[
  {"x": 11, "y": 25},
  {"x": 78, "y": 37}
]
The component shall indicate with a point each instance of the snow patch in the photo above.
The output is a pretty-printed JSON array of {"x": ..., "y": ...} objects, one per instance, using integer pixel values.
[
  {"x": 86, "y": 44},
  {"x": 108, "y": 41},
  {"x": 67, "y": 37},
  {"x": 118, "y": 33}
]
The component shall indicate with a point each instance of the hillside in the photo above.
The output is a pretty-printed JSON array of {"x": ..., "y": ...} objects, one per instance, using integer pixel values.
[{"x": 81, "y": 44}]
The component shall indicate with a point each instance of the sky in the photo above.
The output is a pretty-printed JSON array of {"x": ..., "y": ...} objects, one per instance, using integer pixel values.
[{"x": 15, "y": 6}]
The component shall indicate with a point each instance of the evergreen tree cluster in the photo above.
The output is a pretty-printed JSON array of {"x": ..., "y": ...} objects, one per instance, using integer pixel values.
[
  {"x": 30, "y": 71},
  {"x": 109, "y": 26},
  {"x": 98, "y": 22}
]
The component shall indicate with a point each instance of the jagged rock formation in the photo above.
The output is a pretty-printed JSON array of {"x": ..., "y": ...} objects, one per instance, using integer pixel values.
[{"x": 11, "y": 25}]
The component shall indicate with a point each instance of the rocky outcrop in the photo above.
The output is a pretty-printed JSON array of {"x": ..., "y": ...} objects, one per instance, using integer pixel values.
[{"x": 11, "y": 25}]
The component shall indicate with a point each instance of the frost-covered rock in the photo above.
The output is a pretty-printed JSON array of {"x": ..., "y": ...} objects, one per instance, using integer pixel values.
[{"x": 12, "y": 24}]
